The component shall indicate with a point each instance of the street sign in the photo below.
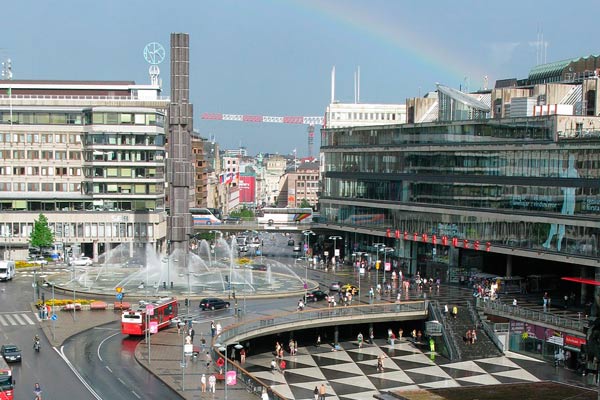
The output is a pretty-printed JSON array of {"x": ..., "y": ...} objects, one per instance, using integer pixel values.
[
  {"x": 54, "y": 317},
  {"x": 119, "y": 289},
  {"x": 119, "y": 296},
  {"x": 153, "y": 326},
  {"x": 150, "y": 309}
]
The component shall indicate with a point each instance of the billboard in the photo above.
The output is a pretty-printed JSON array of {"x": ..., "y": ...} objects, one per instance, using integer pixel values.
[{"x": 247, "y": 186}]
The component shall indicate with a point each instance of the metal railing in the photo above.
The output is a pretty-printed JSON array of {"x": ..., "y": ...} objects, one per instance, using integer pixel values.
[
  {"x": 499, "y": 308},
  {"x": 237, "y": 332},
  {"x": 447, "y": 335},
  {"x": 489, "y": 331}
]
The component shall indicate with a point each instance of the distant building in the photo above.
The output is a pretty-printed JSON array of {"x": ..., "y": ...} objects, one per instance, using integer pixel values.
[
  {"x": 301, "y": 184},
  {"x": 339, "y": 115}
]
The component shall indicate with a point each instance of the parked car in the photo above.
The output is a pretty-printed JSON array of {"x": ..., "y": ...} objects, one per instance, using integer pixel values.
[
  {"x": 349, "y": 288},
  {"x": 335, "y": 286},
  {"x": 291, "y": 242},
  {"x": 315, "y": 295},
  {"x": 232, "y": 220},
  {"x": 10, "y": 353},
  {"x": 213, "y": 303},
  {"x": 82, "y": 261},
  {"x": 38, "y": 260}
]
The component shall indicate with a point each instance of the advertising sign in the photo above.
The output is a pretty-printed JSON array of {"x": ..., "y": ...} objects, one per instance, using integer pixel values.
[
  {"x": 247, "y": 185},
  {"x": 574, "y": 341},
  {"x": 149, "y": 309},
  {"x": 230, "y": 378}
]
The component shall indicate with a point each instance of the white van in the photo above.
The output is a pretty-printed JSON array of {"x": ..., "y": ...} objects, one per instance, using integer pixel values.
[{"x": 7, "y": 270}]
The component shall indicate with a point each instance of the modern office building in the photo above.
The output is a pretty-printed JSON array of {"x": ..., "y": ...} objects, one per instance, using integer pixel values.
[
  {"x": 90, "y": 156},
  {"x": 475, "y": 190}
]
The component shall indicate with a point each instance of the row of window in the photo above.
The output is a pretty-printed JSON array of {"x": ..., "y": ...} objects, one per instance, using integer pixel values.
[
  {"x": 31, "y": 138},
  {"x": 123, "y": 188},
  {"x": 124, "y": 139},
  {"x": 39, "y": 187},
  {"x": 85, "y": 118},
  {"x": 82, "y": 230},
  {"x": 364, "y": 116},
  {"x": 576, "y": 162},
  {"x": 40, "y": 155},
  {"x": 40, "y": 171},
  {"x": 82, "y": 205}
]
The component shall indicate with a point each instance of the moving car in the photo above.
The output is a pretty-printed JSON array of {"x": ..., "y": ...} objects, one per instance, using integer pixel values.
[
  {"x": 213, "y": 303},
  {"x": 10, "y": 353},
  {"x": 315, "y": 295},
  {"x": 335, "y": 286},
  {"x": 349, "y": 288},
  {"x": 82, "y": 261},
  {"x": 258, "y": 267}
]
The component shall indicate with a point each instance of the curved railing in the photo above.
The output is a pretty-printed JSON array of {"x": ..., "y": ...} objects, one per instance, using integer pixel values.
[{"x": 246, "y": 329}]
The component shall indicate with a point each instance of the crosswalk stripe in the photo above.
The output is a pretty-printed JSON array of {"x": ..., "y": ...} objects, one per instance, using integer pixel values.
[
  {"x": 2, "y": 320},
  {"x": 17, "y": 317},
  {"x": 29, "y": 320},
  {"x": 10, "y": 319}
]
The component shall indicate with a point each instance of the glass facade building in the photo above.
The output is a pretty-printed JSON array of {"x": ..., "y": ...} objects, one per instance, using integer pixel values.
[{"x": 522, "y": 186}]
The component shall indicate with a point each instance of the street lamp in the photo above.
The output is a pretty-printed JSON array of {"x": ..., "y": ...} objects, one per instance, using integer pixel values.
[
  {"x": 335, "y": 238},
  {"x": 215, "y": 243},
  {"x": 385, "y": 251},
  {"x": 223, "y": 350},
  {"x": 377, "y": 246},
  {"x": 307, "y": 234}
]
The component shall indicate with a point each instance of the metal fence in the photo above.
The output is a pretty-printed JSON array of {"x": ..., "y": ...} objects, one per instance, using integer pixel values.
[
  {"x": 447, "y": 333},
  {"x": 499, "y": 308},
  {"x": 487, "y": 328}
]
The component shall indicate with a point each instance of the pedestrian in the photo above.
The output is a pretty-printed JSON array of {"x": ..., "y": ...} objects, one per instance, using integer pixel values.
[
  {"x": 455, "y": 311},
  {"x": 360, "y": 340},
  {"x": 515, "y": 302},
  {"x": 380, "y": 362},
  {"x": 318, "y": 341},
  {"x": 243, "y": 355},
  {"x": 468, "y": 336},
  {"x": 400, "y": 333},
  {"x": 282, "y": 365},
  {"x": 473, "y": 336},
  {"x": 218, "y": 328},
  {"x": 273, "y": 365},
  {"x": 203, "y": 383},
  {"x": 322, "y": 392},
  {"x": 212, "y": 383},
  {"x": 213, "y": 328},
  {"x": 445, "y": 309},
  {"x": 431, "y": 345},
  {"x": 188, "y": 339},
  {"x": 191, "y": 333},
  {"x": 265, "y": 394},
  {"x": 316, "y": 392}
]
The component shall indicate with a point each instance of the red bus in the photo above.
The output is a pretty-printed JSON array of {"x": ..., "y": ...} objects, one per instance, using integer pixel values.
[
  {"x": 133, "y": 321},
  {"x": 7, "y": 385}
]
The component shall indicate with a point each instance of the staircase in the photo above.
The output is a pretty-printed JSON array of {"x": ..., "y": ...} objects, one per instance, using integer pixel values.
[{"x": 465, "y": 320}]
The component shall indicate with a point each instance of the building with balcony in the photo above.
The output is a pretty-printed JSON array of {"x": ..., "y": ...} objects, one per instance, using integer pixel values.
[{"x": 90, "y": 156}]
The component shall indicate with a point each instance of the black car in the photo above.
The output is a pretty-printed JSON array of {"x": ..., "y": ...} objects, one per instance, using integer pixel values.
[
  {"x": 316, "y": 295},
  {"x": 213, "y": 303},
  {"x": 258, "y": 267},
  {"x": 10, "y": 353}
]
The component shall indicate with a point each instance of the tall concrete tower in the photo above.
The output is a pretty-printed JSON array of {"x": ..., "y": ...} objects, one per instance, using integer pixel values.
[{"x": 180, "y": 173}]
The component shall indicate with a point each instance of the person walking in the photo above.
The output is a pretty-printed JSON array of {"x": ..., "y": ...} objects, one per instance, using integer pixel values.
[
  {"x": 191, "y": 333},
  {"x": 318, "y": 341},
  {"x": 316, "y": 392},
  {"x": 212, "y": 383},
  {"x": 265, "y": 394},
  {"x": 360, "y": 340},
  {"x": 243, "y": 355},
  {"x": 213, "y": 328},
  {"x": 322, "y": 392},
  {"x": 37, "y": 390},
  {"x": 455, "y": 311},
  {"x": 203, "y": 383}
]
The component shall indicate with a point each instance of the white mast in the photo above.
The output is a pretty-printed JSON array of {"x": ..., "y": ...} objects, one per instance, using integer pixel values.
[{"x": 333, "y": 84}]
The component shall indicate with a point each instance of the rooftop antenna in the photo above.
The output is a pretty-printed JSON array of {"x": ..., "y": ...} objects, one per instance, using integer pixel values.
[
  {"x": 333, "y": 84},
  {"x": 485, "y": 82},
  {"x": 358, "y": 85},
  {"x": 154, "y": 53}
]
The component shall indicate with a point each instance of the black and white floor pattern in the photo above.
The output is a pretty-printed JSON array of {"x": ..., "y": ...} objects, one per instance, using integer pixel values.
[{"x": 351, "y": 373}]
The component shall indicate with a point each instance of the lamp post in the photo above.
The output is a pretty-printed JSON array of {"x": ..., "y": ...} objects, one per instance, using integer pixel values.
[
  {"x": 335, "y": 239},
  {"x": 377, "y": 246},
  {"x": 223, "y": 350},
  {"x": 385, "y": 251},
  {"x": 307, "y": 234},
  {"x": 52, "y": 316},
  {"x": 168, "y": 262},
  {"x": 215, "y": 232}
]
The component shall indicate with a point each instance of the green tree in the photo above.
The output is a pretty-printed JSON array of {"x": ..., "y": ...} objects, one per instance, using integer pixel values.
[
  {"x": 305, "y": 204},
  {"x": 244, "y": 214},
  {"x": 41, "y": 236}
]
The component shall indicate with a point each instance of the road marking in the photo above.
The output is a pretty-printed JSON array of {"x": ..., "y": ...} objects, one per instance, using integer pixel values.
[
  {"x": 2, "y": 321},
  {"x": 26, "y": 317},
  {"x": 10, "y": 319},
  {"x": 136, "y": 395},
  {"x": 102, "y": 342},
  {"x": 18, "y": 319},
  {"x": 61, "y": 353},
  {"x": 108, "y": 368}
]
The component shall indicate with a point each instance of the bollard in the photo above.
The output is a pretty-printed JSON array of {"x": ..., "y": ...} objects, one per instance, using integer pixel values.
[{"x": 165, "y": 285}]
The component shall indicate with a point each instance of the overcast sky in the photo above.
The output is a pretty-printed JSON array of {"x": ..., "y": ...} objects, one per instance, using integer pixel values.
[{"x": 274, "y": 57}]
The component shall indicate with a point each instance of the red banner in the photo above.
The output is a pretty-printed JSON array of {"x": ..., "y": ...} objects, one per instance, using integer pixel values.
[
  {"x": 574, "y": 341},
  {"x": 247, "y": 186}
]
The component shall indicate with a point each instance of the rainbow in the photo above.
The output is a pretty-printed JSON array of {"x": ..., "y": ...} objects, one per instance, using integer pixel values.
[{"x": 421, "y": 49}]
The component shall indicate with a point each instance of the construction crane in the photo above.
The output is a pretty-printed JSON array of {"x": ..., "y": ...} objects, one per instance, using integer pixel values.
[{"x": 299, "y": 120}]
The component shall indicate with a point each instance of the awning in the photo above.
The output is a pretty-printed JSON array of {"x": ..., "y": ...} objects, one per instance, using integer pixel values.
[
  {"x": 581, "y": 280},
  {"x": 571, "y": 348}
]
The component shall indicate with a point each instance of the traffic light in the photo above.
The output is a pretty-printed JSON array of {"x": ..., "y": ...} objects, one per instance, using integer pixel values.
[{"x": 187, "y": 302}]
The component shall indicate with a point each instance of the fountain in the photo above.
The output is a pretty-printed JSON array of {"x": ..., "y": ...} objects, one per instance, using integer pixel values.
[{"x": 204, "y": 271}]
